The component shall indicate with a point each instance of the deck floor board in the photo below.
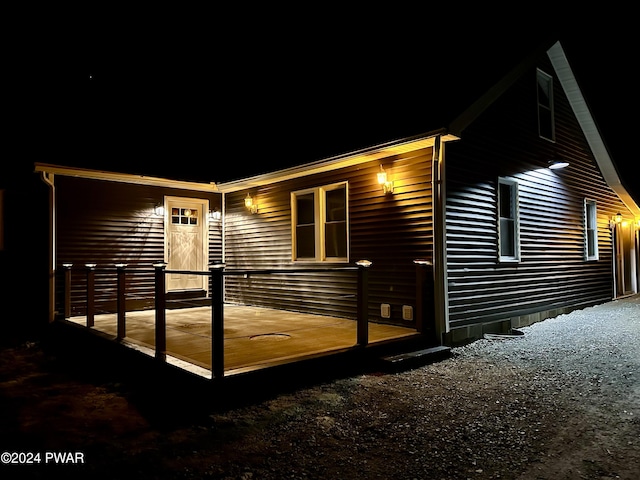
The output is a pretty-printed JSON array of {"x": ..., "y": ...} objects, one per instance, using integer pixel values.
[{"x": 254, "y": 337}]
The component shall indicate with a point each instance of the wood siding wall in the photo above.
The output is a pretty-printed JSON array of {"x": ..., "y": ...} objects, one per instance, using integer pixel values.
[
  {"x": 553, "y": 272},
  {"x": 390, "y": 230},
  {"x": 107, "y": 223}
]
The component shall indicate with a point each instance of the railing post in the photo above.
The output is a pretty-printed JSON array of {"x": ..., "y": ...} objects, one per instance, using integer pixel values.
[
  {"x": 217, "y": 321},
  {"x": 161, "y": 313},
  {"x": 67, "y": 289},
  {"x": 424, "y": 297},
  {"x": 121, "y": 300},
  {"x": 363, "y": 302},
  {"x": 91, "y": 310}
]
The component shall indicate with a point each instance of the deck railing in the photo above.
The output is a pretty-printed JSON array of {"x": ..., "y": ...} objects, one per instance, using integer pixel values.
[{"x": 216, "y": 274}]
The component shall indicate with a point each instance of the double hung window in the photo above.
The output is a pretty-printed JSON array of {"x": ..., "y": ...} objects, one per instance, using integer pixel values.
[
  {"x": 320, "y": 224},
  {"x": 508, "y": 221},
  {"x": 590, "y": 230},
  {"x": 546, "y": 124}
]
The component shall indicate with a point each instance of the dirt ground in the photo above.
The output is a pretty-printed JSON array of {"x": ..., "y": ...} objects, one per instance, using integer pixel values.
[{"x": 480, "y": 414}]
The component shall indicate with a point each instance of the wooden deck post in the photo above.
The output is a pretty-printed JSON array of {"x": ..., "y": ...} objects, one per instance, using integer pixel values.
[
  {"x": 121, "y": 300},
  {"x": 91, "y": 309},
  {"x": 67, "y": 289},
  {"x": 161, "y": 313},
  {"x": 217, "y": 321},
  {"x": 363, "y": 302}
]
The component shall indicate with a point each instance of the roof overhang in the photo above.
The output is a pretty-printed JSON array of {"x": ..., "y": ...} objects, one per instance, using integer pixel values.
[
  {"x": 123, "y": 177},
  {"x": 346, "y": 160},
  {"x": 588, "y": 125}
]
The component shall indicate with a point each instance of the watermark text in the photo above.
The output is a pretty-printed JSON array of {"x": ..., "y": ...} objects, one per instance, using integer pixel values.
[{"x": 46, "y": 457}]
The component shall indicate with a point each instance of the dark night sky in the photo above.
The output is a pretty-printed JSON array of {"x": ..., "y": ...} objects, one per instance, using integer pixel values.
[{"x": 210, "y": 96}]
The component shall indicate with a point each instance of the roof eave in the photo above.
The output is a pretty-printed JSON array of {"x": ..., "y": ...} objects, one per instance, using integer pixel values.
[
  {"x": 123, "y": 177},
  {"x": 587, "y": 124},
  {"x": 376, "y": 152}
]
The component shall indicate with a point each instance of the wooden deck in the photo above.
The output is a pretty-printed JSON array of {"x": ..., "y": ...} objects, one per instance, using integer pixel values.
[{"x": 254, "y": 337}]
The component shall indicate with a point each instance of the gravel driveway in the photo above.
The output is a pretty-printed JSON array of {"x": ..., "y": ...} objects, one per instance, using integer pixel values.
[{"x": 561, "y": 401}]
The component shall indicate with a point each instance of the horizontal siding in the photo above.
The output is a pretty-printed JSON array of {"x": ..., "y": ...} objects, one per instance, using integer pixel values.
[
  {"x": 108, "y": 223},
  {"x": 552, "y": 272},
  {"x": 389, "y": 230}
]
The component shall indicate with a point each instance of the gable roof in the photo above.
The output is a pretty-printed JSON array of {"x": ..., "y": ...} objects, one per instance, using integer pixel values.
[
  {"x": 259, "y": 117},
  {"x": 587, "y": 123},
  {"x": 453, "y": 127},
  {"x": 288, "y": 117}
]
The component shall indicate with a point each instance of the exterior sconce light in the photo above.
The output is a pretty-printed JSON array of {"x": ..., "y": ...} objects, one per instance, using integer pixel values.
[
  {"x": 158, "y": 210},
  {"x": 387, "y": 185},
  {"x": 215, "y": 214},
  {"x": 557, "y": 164},
  {"x": 364, "y": 263},
  {"x": 615, "y": 220},
  {"x": 422, "y": 261},
  {"x": 248, "y": 203}
]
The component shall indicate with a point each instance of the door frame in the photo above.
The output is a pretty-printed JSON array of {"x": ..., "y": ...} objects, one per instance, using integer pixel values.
[
  {"x": 203, "y": 203},
  {"x": 625, "y": 259}
]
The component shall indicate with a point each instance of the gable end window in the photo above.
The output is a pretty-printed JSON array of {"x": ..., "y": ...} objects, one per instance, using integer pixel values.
[
  {"x": 319, "y": 220},
  {"x": 590, "y": 230},
  {"x": 546, "y": 124},
  {"x": 508, "y": 221}
]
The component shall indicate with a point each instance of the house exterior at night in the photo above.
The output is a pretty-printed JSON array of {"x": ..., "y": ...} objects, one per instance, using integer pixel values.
[{"x": 505, "y": 239}]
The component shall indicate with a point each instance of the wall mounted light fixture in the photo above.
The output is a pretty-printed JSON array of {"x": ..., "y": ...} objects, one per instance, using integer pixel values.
[
  {"x": 557, "y": 164},
  {"x": 383, "y": 179},
  {"x": 158, "y": 210},
  {"x": 615, "y": 220},
  {"x": 249, "y": 204},
  {"x": 215, "y": 215}
]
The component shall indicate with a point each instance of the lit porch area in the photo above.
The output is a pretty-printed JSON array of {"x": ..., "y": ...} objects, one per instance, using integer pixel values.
[{"x": 254, "y": 337}]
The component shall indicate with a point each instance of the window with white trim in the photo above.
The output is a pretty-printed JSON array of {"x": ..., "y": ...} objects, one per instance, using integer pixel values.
[
  {"x": 319, "y": 224},
  {"x": 546, "y": 123},
  {"x": 508, "y": 221},
  {"x": 590, "y": 230}
]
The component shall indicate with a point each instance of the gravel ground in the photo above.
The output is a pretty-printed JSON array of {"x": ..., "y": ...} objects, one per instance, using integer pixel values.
[{"x": 560, "y": 401}]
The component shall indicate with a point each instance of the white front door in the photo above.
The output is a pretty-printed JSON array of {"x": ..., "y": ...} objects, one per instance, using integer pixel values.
[{"x": 186, "y": 242}]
